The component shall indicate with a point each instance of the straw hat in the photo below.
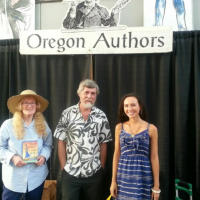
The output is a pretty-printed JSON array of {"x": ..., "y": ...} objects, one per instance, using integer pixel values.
[{"x": 13, "y": 101}]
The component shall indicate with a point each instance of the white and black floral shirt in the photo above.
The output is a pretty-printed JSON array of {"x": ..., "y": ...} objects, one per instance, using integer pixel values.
[{"x": 83, "y": 139}]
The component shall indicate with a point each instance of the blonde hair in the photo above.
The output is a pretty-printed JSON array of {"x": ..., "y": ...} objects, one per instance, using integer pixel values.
[{"x": 18, "y": 123}]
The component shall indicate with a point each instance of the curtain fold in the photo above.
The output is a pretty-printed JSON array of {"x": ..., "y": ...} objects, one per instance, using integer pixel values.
[
  {"x": 186, "y": 73},
  {"x": 147, "y": 76},
  {"x": 169, "y": 86},
  {"x": 54, "y": 77}
]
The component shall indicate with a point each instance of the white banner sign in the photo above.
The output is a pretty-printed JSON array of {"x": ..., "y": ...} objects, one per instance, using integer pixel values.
[{"x": 124, "y": 40}]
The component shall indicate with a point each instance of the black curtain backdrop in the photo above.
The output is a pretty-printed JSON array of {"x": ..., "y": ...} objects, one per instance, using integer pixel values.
[
  {"x": 149, "y": 76},
  {"x": 54, "y": 77},
  {"x": 169, "y": 85}
]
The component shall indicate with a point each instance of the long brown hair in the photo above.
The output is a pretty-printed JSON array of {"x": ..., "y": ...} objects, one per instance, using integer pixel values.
[{"x": 122, "y": 117}]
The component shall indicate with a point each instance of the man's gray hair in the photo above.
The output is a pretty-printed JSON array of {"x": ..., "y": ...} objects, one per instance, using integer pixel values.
[{"x": 89, "y": 84}]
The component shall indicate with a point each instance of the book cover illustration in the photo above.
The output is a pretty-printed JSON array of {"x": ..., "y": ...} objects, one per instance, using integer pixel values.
[{"x": 30, "y": 151}]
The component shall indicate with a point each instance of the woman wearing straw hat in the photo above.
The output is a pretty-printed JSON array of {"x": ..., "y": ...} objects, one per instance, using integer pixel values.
[{"x": 27, "y": 133}]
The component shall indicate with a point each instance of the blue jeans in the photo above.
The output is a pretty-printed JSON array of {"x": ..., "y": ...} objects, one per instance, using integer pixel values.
[{"x": 35, "y": 194}]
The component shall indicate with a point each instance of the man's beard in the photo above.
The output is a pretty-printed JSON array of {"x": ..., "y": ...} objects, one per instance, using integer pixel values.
[{"x": 87, "y": 105}]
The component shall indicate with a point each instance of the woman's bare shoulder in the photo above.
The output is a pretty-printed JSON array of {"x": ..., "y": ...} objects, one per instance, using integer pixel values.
[
  {"x": 118, "y": 127},
  {"x": 153, "y": 129}
]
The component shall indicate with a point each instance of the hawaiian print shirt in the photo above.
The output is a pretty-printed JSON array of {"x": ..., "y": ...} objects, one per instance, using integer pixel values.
[{"x": 83, "y": 139}]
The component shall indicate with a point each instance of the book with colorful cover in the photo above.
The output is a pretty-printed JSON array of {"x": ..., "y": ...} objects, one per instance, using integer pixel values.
[{"x": 30, "y": 151}]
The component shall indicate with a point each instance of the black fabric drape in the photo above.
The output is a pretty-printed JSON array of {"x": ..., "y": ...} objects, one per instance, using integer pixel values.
[
  {"x": 186, "y": 108},
  {"x": 148, "y": 77},
  {"x": 54, "y": 77},
  {"x": 168, "y": 84}
]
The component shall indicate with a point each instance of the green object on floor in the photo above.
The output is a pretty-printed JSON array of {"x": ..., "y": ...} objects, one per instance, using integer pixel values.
[{"x": 183, "y": 186}]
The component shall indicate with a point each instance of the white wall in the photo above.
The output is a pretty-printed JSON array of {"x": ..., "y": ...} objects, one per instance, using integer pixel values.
[
  {"x": 51, "y": 15},
  {"x": 196, "y": 15}
]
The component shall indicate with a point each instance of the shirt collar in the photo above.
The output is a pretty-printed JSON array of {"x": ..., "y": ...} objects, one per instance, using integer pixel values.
[
  {"x": 78, "y": 109},
  {"x": 30, "y": 125}
]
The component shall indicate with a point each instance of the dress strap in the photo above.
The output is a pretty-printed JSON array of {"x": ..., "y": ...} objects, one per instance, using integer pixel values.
[
  {"x": 122, "y": 126},
  {"x": 148, "y": 125}
]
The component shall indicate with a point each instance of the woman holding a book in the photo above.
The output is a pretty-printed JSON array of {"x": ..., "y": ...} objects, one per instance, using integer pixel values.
[{"x": 25, "y": 147}]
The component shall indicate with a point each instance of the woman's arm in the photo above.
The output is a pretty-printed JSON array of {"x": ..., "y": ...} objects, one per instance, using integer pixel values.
[
  {"x": 47, "y": 144},
  {"x": 6, "y": 154},
  {"x": 113, "y": 187},
  {"x": 154, "y": 159}
]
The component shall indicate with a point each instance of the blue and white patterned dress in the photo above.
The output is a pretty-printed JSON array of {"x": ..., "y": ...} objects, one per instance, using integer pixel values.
[{"x": 134, "y": 176}]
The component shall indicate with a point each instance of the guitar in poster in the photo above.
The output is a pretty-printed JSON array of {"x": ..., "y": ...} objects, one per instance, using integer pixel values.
[{"x": 30, "y": 151}]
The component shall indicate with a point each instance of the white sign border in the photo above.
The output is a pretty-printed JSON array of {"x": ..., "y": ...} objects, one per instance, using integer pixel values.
[{"x": 118, "y": 40}]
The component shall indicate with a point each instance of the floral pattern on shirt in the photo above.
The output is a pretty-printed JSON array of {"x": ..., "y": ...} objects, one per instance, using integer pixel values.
[{"x": 83, "y": 139}]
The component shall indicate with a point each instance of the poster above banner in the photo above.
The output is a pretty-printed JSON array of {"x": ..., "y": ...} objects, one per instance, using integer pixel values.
[{"x": 115, "y": 40}]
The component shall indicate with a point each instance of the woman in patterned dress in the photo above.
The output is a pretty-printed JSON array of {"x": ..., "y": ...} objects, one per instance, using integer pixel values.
[{"x": 135, "y": 162}]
